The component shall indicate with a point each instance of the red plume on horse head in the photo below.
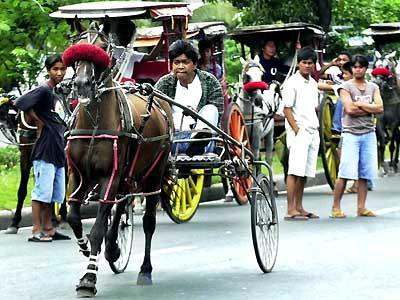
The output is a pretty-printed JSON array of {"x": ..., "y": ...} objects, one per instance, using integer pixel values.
[{"x": 87, "y": 52}]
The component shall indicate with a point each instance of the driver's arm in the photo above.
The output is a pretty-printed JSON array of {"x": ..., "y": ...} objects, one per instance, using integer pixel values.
[{"x": 155, "y": 51}]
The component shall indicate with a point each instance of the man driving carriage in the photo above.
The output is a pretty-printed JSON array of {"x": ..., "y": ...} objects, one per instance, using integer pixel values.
[{"x": 193, "y": 88}]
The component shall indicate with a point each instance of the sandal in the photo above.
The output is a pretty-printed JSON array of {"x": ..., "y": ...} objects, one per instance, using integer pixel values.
[
  {"x": 40, "y": 237},
  {"x": 337, "y": 213},
  {"x": 365, "y": 213}
]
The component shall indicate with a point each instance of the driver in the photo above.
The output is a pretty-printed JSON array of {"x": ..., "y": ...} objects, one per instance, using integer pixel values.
[
  {"x": 274, "y": 68},
  {"x": 193, "y": 88}
]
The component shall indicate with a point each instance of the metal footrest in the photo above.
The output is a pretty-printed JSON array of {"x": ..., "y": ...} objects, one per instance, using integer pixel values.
[{"x": 207, "y": 157}]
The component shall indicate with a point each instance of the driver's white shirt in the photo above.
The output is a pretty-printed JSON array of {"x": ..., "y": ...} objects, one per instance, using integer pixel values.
[
  {"x": 189, "y": 97},
  {"x": 131, "y": 57}
]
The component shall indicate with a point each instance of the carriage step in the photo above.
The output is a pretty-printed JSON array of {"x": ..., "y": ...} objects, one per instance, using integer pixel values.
[{"x": 208, "y": 157}]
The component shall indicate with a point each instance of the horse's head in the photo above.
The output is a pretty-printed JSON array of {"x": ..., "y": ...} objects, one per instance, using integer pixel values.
[
  {"x": 252, "y": 70},
  {"x": 91, "y": 63},
  {"x": 385, "y": 61}
]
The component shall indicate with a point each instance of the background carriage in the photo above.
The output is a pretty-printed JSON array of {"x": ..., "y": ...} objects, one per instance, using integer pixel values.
[
  {"x": 286, "y": 36},
  {"x": 386, "y": 73},
  {"x": 234, "y": 162}
]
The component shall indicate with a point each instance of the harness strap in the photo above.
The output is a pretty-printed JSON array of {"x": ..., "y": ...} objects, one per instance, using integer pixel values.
[{"x": 99, "y": 132}]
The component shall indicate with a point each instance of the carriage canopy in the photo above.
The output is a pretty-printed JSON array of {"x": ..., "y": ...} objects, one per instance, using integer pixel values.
[
  {"x": 118, "y": 9},
  {"x": 384, "y": 33}
]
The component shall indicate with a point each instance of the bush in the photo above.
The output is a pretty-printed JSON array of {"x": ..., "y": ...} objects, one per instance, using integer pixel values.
[{"x": 9, "y": 157}]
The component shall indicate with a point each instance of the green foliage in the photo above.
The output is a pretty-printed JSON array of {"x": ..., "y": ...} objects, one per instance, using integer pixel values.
[
  {"x": 9, "y": 157},
  {"x": 221, "y": 11},
  {"x": 27, "y": 34}
]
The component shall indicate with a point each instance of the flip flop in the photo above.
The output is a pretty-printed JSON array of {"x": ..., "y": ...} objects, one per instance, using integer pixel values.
[
  {"x": 365, "y": 213},
  {"x": 40, "y": 237},
  {"x": 295, "y": 218},
  {"x": 310, "y": 215}
]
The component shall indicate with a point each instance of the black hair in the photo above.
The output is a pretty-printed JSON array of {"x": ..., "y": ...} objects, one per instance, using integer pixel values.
[
  {"x": 204, "y": 44},
  {"x": 266, "y": 41},
  {"x": 125, "y": 31},
  {"x": 183, "y": 47},
  {"x": 306, "y": 53},
  {"x": 360, "y": 59},
  {"x": 51, "y": 60},
  {"x": 347, "y": 66},
  {"x": 345, "y": 53}
]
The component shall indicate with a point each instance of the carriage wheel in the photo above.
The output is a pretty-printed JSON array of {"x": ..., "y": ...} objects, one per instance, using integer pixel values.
[
  {"x": 124, "y": 240},
  {"x": 235, "y": 126},
  {"x": 184, "y": 197},
  {"x": 264, "y": 224},
  {"x": 329, "y": 141}
]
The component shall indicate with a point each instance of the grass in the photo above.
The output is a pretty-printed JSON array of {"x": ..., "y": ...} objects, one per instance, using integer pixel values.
[{"x": 9, "y": 181}]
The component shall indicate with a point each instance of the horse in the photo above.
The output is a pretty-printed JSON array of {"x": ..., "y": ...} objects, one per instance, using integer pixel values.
[
  {"x": 387, "y": 127},
  {"x": 118, "y": 145},
  {"x": 18, "y": 132},
  {"x": 258, "y": 102}
]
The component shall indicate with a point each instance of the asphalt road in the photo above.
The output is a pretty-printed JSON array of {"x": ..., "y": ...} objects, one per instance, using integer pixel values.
[{"x": 212, "y": 256}]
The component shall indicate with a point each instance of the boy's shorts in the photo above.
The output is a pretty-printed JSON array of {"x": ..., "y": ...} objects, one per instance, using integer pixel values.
[
  {"x": 303, "y": 152},
  {"x": 49, "y": 182},
  {"x": 359, "y": 156}
]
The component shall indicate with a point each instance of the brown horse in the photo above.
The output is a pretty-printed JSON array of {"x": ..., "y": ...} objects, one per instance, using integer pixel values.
[{"x": 110, "y": 156}]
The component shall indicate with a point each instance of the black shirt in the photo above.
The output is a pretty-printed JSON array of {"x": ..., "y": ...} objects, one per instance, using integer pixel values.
[
  {"x": 50, "y": 145},
  {"x": 274, "y": 69}
]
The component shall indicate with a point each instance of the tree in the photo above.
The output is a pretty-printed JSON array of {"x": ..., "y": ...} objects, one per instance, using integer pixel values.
[{"x": 27, "y": 34}]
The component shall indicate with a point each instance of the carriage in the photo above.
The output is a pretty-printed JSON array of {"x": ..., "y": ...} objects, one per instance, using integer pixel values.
[
  {"x": 119, "y": 149},
  {"x": 386, "y": 73},
  {"x": 286, "y": 36}
]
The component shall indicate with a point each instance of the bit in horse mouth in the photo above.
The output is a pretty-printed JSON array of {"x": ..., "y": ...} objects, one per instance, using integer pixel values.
[{"x": 83, "y": 100}]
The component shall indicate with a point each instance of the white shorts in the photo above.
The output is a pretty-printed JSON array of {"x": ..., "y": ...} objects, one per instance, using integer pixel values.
[{"x": 303, "y": 152}]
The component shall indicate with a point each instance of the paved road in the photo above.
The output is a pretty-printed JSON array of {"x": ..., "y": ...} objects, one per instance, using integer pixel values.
[{"x": 212, "y": 257}]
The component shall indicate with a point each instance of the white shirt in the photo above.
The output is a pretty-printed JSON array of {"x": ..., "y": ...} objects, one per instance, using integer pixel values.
[
  {"x": 129, "y": 59},
  {"x": 302, "y": 96},
  {"x": 334, "y": 74},
  {"x": 189, "y": 97}
]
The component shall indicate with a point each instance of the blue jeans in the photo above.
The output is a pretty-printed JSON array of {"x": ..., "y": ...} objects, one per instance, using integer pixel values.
[
  {"x": 49, "y": 182},
  {"x": 359, "y": 158},
  {"x": 337, "y": 116}
]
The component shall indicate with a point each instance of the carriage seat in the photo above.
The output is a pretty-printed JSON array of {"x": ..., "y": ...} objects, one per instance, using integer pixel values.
[{"x": 255, "y": 85}]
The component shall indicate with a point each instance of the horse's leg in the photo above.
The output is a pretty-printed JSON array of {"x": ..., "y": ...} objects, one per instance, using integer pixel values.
[
  {"x": 380, "y": 134},
  {"x": 149, "y": 226},
  {"x": 87, "y": 284},
  {"x": 397, "y": 150},
  {"x": 392, "y": 149},
  {"x": 25, "y": 169},
  {"x": 112, "y": 251}
]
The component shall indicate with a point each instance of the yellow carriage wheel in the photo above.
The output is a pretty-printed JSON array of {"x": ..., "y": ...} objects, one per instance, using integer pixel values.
[
  {"x": 329, "y": 142},
  {"x": 184, "y": 196}
]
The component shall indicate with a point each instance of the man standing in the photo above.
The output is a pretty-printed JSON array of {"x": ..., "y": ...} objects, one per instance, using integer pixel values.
[
  {"x": 333, "y": 70},
  {"x": 300, "y": 98},
  {"x": 358, "y": 161},
  {"x": 48, "y": 153}
]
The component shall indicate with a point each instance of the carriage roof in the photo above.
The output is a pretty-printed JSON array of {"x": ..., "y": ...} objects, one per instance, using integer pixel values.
[
  {"x": 147, "y": 37},
  {"x": 118, "y": 9},
  {"x": 251, "y": 35},
  {"x": 384, "y": 33}
]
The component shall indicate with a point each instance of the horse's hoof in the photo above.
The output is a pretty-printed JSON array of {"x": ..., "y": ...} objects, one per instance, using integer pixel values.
[
  {"x": 112, "y": 253},
  {"x": 144, "y": 279},
  {"x": 86, "y": 293},
  {"x": 86, "y": 287},
  {"x": 11, "y": 230}
]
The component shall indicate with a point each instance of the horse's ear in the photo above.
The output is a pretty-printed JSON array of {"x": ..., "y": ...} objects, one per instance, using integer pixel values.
[
  {"x": 378, "y": 54},
  {"x": 257, "y": 59},
  {"x": 76, "y": 25},
  {"x": 107, "y": 25},
  {"x": 391, "y": 55},
  {"x": 243, "y": 61}
]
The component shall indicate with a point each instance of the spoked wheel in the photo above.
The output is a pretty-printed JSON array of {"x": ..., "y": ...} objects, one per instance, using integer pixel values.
[
  {"x": 124, "y": 240},
  {"x": 329, "y": 142},
  {"x": 235, "y": 126},
  {"x": 184, "y": 196},
  {"x": 264, "y": 224}
]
